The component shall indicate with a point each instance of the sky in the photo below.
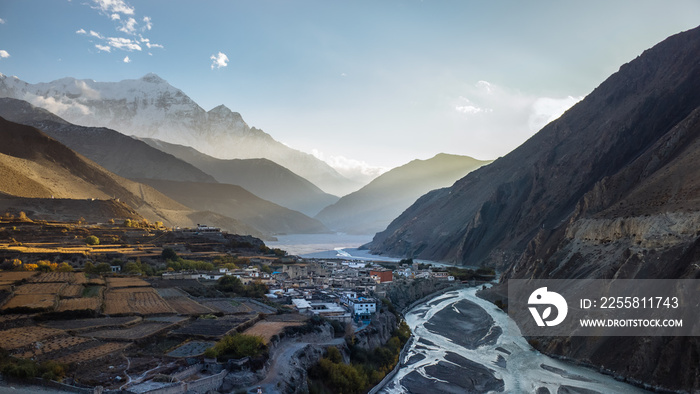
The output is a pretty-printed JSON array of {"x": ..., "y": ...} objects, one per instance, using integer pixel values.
[{"x": 364, "y": 85}]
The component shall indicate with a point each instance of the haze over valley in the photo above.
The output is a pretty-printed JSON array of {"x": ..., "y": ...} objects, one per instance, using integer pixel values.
[{"x": 150, "y": 177}]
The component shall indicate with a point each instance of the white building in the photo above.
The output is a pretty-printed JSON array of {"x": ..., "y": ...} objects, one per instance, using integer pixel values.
[{"x": 362, "y": 306}]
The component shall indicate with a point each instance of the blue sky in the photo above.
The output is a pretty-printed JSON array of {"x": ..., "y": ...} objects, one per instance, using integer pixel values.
[{"x": 360, "y": 83}]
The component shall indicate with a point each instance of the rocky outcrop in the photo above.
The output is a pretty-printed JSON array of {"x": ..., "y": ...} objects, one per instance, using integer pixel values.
[
  {"x": 627, "y": 149},
  {"x": 609, "y": 190}
]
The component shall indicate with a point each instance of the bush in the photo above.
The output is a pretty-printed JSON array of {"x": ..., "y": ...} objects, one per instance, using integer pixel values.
[
  {"x": 92, "y": 240},
  {"x": 238, "y": 346},
  {"x": 169, "y": 254}
]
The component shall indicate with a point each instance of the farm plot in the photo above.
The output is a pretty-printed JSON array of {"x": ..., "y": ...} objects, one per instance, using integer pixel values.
[
  {"x": 266, "y": 329},
  {"x": 34, "y": 302},
  {"x": 40, "y": 288},
  {"x": 78, "y": 304},
  {"x": 15, "y": 338},
  {"x": 85, "y": 324},
  {"x": 257, "y": 306},
  {"x": 95, "y": 281},
  {"x": 182, "y": 304},
  {"x": 126, "y": 282},
  {"x": 226, "y": 306},
  {"x": 191, "y": 349},
  {"x": 139, "y": 331},
  {"x": 93, "y": 353},
  {"x": 214, "y": 328},
  {"x": 8, "y": 278},
  {"x": 77, "y": 278},
  {"x": 140, "y": 301},
  {"x": 72, "y": 291},
  {"x": 52, "y": 345}
]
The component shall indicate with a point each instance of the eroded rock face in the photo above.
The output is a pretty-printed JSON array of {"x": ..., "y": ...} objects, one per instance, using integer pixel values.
[{"x": 609, "y": 190}]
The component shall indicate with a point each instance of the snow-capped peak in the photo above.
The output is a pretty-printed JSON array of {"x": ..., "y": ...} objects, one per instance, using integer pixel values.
[{"x": 153, "y": 78}]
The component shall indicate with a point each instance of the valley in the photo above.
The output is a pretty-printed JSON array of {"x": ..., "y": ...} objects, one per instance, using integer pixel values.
[{"x": 150, "y": 245}]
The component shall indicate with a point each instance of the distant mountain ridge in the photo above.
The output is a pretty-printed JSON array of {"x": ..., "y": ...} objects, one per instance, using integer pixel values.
[
  {"x": 34, "y": 166},
  {"x": 373, "y": 207},
  {"x": 262, "y": 177},
  {"x": 150, "y": 107},
  {"x": 123, "y": 155}
]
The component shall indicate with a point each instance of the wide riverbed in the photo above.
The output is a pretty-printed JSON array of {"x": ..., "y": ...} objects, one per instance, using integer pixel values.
[{"x": 464, "y": 344}]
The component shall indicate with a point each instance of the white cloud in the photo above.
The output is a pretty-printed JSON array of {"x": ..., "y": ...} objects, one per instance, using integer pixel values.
[
  {"x": 498, "y": 119},
  {"x": 103, "y": 48},
  {"x": 147, "y": 21},
  {"x": 547, "y": 109},
  {"x": 114, "y": 6},
  {"x": 96, "y": 34},
  {"x": 115, "y": 17},
  {"x": 122, "y": 43},
  {"x": 4, "y": 54},
  {"x": 56, "y": 106},
  {"x": 219, "y": 60},
  {"x": 128, "y": 26},
  {"x": 86, "y": 91},
  {"x": 356, "y": 170},
  {"x": 127, "y": 60},
  {"x": 466, "y": 107},
  {"x": 81, "y": 31},
  {"x": 2, "y": 21}
]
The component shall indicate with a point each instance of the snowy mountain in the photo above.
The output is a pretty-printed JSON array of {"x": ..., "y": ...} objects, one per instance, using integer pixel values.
[{"x": 150, "y": 107}]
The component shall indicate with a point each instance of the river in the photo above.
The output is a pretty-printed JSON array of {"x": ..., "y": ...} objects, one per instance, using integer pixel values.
[{"x": 462, "y": 343}]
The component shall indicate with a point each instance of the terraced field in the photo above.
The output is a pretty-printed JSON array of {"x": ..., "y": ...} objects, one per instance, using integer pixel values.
[
  {"x": 140, "y": 301},
  {"x": 99, "y": 351},
  {"x": 137, "y": 332},
  {"x": 85, "y": 324},
  {"x": 15, "y": 338}
]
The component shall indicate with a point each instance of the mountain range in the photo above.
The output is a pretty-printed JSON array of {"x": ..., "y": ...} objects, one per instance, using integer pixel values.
[
  {"x": 40, "y": 175},
  {"x": 375, "y": 205},
  {"x": 150, "y": 107},
  {"x": 609, "y": 190},
  {"x": 262, "y": 177},
  {"x": 129, "y": 157}
]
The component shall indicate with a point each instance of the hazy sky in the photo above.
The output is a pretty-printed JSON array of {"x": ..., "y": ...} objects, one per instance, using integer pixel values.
[{"x": 381, "y": 82}]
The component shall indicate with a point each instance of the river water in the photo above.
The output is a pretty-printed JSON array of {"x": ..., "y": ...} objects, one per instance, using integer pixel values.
[{"x": 462, "y": 343}]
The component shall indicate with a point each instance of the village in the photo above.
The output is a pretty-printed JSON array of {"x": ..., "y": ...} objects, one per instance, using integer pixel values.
[{"x": 147, "y": 309}]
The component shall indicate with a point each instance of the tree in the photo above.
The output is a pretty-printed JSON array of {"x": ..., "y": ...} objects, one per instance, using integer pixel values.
[
  {"x": 169, "y": 254},
  {"x": 92, "y": 240},
  {"x": 132, "y": 268},
  {"x": 89, "y": 267},
  {"x": 229, "y": 283},
  {"x": 103, "y": 268},
  {"x": 65, "y": 267}
]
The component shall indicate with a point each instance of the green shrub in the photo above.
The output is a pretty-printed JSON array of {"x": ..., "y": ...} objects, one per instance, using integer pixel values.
[{"x": 92, "y": 240}]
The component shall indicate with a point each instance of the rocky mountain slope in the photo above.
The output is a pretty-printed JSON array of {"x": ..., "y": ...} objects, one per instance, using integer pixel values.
[
  {"x": 262, "y": 177},
  {"x": 116, "y": 152},
  {"x": 373, "y": 207},
  {"x": 609, "y": 190},
  {"x": 150, "y": 107},
  {"x": 34, "y": 166},
  {"x": 234, "y": 201}
]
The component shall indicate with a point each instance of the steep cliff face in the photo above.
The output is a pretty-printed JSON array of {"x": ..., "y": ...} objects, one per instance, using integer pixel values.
[
  {"x": 585, "y": 162},
  {"x": 609, "y": 190}
]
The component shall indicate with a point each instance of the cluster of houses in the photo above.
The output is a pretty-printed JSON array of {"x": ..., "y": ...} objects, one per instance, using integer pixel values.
[{"x": 334, "y": 289}]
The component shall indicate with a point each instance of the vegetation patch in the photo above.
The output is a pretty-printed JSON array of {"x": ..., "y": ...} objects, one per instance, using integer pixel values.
[{"x": 366, "y": 369}]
